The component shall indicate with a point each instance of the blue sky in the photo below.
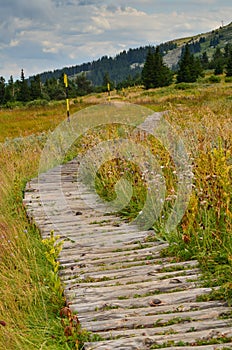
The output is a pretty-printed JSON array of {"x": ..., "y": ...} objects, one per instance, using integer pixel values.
[{"x": 41, "y": 35}]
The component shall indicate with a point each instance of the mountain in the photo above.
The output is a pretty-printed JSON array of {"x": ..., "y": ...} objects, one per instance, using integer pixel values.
[
  {"x": 129, "y": 63},
  {"x": 126, "y": 63}
]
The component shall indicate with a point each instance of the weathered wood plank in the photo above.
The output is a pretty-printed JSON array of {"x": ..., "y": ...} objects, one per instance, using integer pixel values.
[
  {"x": 224, "y": 346},
  {"x": 160, "y": 309},
  {"x": 138, "y": 270},
  {"x": 100, "y": 257},
  {"x": 181, "y": 328},
  {"x": 131, "y": 291},
  {"x": 135, "y": 322},
  {"x": 82, "y": 304},
  {"x": 145, "y": 342},
  {"x": 105, "y": 281}
]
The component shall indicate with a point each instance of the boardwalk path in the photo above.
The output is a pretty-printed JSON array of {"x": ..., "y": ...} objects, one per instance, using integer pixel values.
[{"x": 116, "y": 280}]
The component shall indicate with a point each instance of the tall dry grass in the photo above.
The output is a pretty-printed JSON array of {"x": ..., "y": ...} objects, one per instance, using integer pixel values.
[{"x": 201, "y": 115}]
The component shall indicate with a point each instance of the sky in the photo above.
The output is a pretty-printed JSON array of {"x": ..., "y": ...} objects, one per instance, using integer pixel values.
[{"x": 43, "y": 35}]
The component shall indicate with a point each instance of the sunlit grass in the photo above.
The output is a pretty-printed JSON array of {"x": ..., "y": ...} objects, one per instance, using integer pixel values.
[
  {"x": 27, "y": 120},
  {"x": 27, "y": 306},
  {"x": 200, "y": 114}
]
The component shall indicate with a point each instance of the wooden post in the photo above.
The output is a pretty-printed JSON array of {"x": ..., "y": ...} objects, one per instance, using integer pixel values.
[
  {"x": 108, "y": 88},
  {"x": 67, "y": 98}
]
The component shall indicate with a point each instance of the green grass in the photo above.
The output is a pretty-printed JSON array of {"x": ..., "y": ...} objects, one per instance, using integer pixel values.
[
  {"x": 29, "y": 305},
  {"x": 30, "y": 119}
]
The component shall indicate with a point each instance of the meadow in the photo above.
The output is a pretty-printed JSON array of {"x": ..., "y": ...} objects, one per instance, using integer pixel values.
[{"x": 201, "y": 115}]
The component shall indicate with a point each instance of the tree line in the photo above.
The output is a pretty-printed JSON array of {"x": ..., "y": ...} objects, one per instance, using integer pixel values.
[
  {"x": 156, "y": 74},
  {"x": 153, "y": 74},
  {"x": 25, "y": 90}
]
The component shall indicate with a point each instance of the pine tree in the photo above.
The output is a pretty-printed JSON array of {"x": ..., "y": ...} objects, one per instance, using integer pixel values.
[
  {"x": 54, "y": 89},
  {"x": 205, "y": 60},
  {"x": 10, "y": 90},
  {"x": 24, "y": 91},
  {"x": 147, "y": 75},
  {"x": 189, "y": 67},
  {"x": 218, "y": 62},
  {"x": 227, "y": 50},
  {"x": 162, "y": 75},
  {"x": 106, "y": 81},
  {"x": 83, "y": 85},
  {"x": 36, "y": 88},
  {"x": 229, "y": 64},
  {"x": 155, "y": 73},
  {"x": 2, "y": 90}
]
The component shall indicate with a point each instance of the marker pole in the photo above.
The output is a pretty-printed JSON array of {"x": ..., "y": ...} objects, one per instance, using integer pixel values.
[
  {"x": 108, "y": 88},
  {"x": 67, "y": 99}
]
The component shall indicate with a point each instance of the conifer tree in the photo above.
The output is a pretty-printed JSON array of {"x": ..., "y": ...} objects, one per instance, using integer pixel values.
[
  {"x": 205, "y": 60},
  {"x": 162, "y": 75},
  {"x": 155, "y": 73},
  {"x": 189, "y": 67},
  {"x": 229, "y": 64},
  {"x": 83, "y": 85},
  {"x": 148, "y": 71},
  {"x": 10, "y": 90},
  {"x": 24, "y": 92},
  {"x": 227, "y": 50},
  {"x": 36, "y": 90},
  {"x": 218, "y": 62},
  {"x": 2, "y": 90},
  {"x": 106, "y": 81}
]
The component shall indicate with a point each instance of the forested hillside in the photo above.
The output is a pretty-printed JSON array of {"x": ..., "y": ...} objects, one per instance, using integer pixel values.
[
  {"x": 208, "y": 51},
  {"x": 125, "y": 64},
  {"x": 129, "y": 63}
]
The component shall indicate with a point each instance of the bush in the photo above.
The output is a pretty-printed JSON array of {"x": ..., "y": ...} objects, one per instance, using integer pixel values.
[
  {"x": 228, "y": 79},
  {"x": 13, "y": 104},
  {"x": 214, "y": 79},
  {"x": 184, "y": 86},
  {"x": 37, "y": 103}
]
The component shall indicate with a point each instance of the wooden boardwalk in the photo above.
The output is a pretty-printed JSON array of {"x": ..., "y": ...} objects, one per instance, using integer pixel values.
[{"x": 117, "y": 281}]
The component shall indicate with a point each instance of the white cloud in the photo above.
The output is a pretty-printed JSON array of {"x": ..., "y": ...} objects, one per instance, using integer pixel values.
[
  {"x": 14, "y": 43},
  {"x": 101, "y": 22},
  {"x": 49, "y": 34},
  {"x": 50, "y": 47}
]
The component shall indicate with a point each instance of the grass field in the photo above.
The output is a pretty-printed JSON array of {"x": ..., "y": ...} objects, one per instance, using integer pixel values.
[{"x": 201, "y": 114}]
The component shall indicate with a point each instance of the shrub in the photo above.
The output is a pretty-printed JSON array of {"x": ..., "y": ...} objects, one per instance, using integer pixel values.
[
  {"x": 228, "y": 79},
  {"x": 214, "y": 79},
  {"x": 183, "y": 86}
]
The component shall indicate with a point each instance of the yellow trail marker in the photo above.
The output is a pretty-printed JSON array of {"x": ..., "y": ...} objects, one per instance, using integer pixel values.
[
  {"x": 108, "y": 88},
  {"x": 67, "y": 99}
]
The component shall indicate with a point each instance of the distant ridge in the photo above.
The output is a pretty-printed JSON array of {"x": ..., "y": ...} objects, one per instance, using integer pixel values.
[{"x": 129, "y": 63}]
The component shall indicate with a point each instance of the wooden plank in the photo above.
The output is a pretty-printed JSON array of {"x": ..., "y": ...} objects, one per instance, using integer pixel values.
[
  {"x": 135, "y": 322},
  {"x": 131, "y": 290},
  {"x": 145, "y": 342},
  {"x": 101, "y": 256},
  {"x": 82, "y": 304},
  {"x": 138, "y": 270},
  {"x": 225, "y": 346},
  {"x": 160, "y": 309},
  {"x": 181, "y": 328},
  {"x": 80, "y": 279}
]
